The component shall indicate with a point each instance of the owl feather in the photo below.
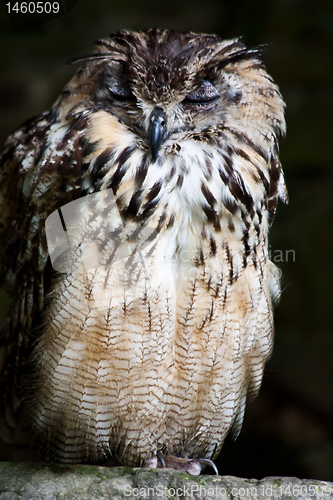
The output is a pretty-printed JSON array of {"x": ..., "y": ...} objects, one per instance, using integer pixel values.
[{"x": 157, "y": 328}]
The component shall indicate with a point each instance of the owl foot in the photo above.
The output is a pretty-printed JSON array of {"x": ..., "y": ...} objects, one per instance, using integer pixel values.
[{"x": 192, "y": 466}]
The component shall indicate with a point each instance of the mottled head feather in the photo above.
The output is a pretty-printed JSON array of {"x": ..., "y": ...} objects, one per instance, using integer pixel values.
[{"x": 160, "y": 62}]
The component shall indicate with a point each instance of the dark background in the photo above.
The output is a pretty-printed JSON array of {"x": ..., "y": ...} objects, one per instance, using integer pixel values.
[{"x": 288, "y": 429}]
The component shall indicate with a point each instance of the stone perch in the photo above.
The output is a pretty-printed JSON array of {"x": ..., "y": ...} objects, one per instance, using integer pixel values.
[{"x": 40, "y": 481}]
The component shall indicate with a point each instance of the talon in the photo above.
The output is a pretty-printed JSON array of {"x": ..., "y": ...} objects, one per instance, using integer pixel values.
[
  {"x": 207, "y": 461},
  {"x": 192, "y": 466},
  {"x": 161, "y": 459}
]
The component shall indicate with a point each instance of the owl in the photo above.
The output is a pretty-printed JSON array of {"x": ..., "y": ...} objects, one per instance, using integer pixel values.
[{"x": 134, "y": 244}]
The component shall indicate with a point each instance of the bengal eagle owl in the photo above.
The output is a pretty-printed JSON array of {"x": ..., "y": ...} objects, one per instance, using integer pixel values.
[{"x": 145, "y": 336}]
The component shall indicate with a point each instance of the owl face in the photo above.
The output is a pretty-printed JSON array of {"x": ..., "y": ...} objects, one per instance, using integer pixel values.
[{"x": 169, "y": 86}]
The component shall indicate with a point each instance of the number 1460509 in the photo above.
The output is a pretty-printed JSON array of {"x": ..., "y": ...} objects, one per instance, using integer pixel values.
[{"x": 33, "y": 7}]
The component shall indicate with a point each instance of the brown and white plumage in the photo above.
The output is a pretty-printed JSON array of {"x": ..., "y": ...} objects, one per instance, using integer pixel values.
[{"x": 156, "y": 351}]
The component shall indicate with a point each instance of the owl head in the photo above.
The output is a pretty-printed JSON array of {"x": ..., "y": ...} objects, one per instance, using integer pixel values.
[{"x": 168, "y": 86}]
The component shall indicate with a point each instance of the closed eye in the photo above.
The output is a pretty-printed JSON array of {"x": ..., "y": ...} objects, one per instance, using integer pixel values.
[
  {"x": 122, "y": 93},
  {"x": 206, "y": 93}
]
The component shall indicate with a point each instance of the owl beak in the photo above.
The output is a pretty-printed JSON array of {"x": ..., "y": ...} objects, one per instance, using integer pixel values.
[{"x": 157, "y": 130}]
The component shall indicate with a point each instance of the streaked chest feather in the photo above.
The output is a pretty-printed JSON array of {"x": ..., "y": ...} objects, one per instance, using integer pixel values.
[{"x": 135, "y": 325}]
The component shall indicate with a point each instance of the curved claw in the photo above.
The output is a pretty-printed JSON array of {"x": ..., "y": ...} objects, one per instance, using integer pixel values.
[
  {"x": 161, "y": 459},
  {"x": 207, "y": 461},
  {"x": 192, "y": 466}
]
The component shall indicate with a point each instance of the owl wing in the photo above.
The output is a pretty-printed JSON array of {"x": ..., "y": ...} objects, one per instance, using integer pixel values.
[{"x": 41, "y": 168}]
